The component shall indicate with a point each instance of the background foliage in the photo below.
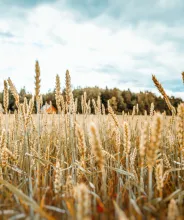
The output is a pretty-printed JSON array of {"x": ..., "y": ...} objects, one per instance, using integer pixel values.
[{"x": 120, "y": 100}]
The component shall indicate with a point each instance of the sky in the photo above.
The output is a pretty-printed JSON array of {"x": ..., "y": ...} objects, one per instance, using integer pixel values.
[{"x": 113, "y": 43}]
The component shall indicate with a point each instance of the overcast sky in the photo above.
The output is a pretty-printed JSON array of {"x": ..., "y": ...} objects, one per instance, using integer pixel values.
[{"x": 114, "y": 43}]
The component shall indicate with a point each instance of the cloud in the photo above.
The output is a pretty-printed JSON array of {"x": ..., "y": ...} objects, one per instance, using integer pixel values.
[
  {"x": 6, "y": 35},
  {"x": 98, "y": 46},
  {"x": 129, "y": 12},
  {"x": 25, "y": 4}
]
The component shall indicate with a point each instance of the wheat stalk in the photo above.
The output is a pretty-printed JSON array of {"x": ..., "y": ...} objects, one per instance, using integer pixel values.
[{"x": 162, "y": 91}]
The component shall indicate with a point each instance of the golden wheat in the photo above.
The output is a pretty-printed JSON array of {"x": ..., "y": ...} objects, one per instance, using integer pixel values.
[{"x": 72, "y": 166}]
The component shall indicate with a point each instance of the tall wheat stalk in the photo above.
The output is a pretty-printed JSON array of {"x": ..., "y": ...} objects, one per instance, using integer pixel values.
[{"x": 151, "y": 152}]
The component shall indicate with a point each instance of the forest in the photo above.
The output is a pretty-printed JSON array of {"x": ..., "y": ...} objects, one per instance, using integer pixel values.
[{"x": 120, "y": 100}]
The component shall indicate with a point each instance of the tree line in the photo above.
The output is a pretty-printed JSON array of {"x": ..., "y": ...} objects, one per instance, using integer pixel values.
[{"x": 120, "y": 100}]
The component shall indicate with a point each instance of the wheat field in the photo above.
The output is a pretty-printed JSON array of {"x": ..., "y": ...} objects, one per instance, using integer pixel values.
[{"x": 83, "y": 166}]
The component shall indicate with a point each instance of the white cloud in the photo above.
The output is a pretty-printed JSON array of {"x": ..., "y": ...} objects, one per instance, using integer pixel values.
[
  {"x": 52, "y": 36},
  {"x": 169, "y": 4}
]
